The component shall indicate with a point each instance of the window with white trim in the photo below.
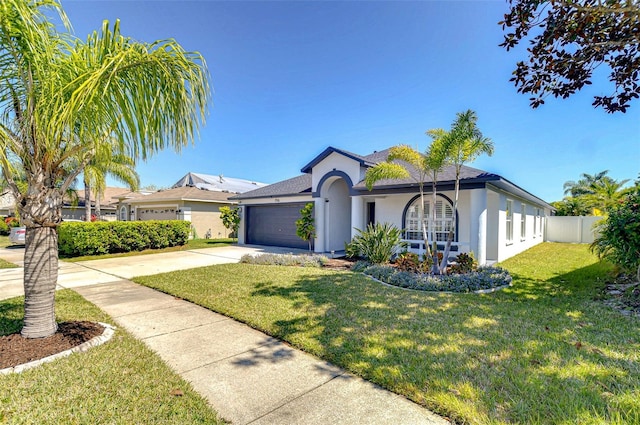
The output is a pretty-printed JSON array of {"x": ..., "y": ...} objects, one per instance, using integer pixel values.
[
  {"x": 123, "y": 213},
  {"x": 523, "y": 221},
  {"x": 509, "y": 221},
  {"x": 441, "y": 226}
]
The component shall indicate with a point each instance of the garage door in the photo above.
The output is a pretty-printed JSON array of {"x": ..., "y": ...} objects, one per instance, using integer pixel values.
[
  {"x": 156, "y": 214},
  {"x": 274, "y": 225}
]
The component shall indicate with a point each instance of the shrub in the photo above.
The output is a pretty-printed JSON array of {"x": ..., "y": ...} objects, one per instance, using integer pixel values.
[
  {"x": 378, "y": 243},
  {"x": 464, "y": 263},
  {"x": 230, "y": 217},
  {"x": 77, "y": 239},
  {"x": 285, "y": 260},
  {"x": 619, "y": 235},
  {"x": 482, "y": 278},
  {"x": 4, "y": 228},
  {"x": 408, "y": 261},
  {"x": 12, "y": 222}
]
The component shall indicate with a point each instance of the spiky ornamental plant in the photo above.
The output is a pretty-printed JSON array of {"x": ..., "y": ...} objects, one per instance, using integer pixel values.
[{"x": 61, "y": 99}]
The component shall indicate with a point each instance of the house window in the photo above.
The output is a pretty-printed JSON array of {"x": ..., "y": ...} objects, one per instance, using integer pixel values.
[
  {"x": 523, "y": 221},
  {"x": 509, "y": 221},
  {"x": 123, "y": 214},
  {"x": 440, "y": 228}
]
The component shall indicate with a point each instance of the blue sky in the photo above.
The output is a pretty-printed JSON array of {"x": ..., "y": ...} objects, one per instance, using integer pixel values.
[{"x": 291, "y": 78}]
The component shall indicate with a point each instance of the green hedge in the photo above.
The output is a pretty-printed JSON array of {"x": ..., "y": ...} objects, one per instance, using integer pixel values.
[{"x": 76, "y": 239}]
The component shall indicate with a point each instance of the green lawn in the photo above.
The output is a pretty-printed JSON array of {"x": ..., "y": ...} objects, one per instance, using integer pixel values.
[
  {"x": 191, "y": 244},
  {"x": 542, "y": 351},
  {"x": 4, "y": 241},
  {"x": 119, "y": 382}
]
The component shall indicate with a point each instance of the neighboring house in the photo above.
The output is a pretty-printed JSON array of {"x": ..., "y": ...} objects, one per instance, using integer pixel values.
[
  {"x": 108, "y": 205},
  {"x": 195, "y": 197},
  {"x": 75, "y": 210},
  {"x": 496, "y": 219}
]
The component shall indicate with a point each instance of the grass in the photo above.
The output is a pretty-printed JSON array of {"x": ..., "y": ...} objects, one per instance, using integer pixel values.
[
  {"x": 4, "y": 241},
  {"x": 119, "y": 382},
  {"x": 4, "y": 264},
  {"x": 540, "y": 352},
  {"x": 191, "y": 244}
]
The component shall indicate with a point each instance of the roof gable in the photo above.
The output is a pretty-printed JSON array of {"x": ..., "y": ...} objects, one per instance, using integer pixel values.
[{"x": 362, "y": 160}]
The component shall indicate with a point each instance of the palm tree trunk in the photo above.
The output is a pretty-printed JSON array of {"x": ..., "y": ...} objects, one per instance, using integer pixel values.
[
  {"x": 40, "y": 211},
  {"x": 452, "y": 231},
  {"x": 97, "y": 209},
  {"x": 87, "y": 200},
  {"x": 435, "y": 269},
  {"x": 40, "y": 279},
  {"x": 425, "y": 236}
]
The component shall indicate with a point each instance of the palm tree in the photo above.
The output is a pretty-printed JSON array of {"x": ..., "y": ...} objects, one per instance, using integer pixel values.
[
  {"x": 606, "y": 193},
  {"x": 107, "y": 163},
  {"x": 61, "y": 99},
  {"x": 408, "y": 160},
  {"x": 584, "y": 185},
  {"x": 464, "y": 144}
]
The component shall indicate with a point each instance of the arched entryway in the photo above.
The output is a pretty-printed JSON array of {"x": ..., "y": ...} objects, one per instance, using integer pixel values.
[{"x": 337, "y": 226}]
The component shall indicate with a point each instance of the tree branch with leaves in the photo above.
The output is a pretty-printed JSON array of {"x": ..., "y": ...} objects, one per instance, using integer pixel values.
[{"x": 568, "y": 41}]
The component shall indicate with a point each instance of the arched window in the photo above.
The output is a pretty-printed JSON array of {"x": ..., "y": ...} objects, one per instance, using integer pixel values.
[
  {"x": 123, "y": 213},
  {"x": 438, "y": 229}
]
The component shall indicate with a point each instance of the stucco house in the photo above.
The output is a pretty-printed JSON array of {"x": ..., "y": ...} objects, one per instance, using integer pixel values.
[
  {"x": 195, "y": 197},
  {"x": 496, "y": 219}
]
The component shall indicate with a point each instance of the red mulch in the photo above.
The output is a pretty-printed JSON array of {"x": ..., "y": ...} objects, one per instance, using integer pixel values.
[{"x": 16, "y": 350}]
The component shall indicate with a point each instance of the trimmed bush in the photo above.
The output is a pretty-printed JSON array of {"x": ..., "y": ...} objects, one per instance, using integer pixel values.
[
  {"x": 285, "y": 260},
  {"x": 77, "y": 239},
  {"x": 4, "y": 228},
  {"x": 482, "y": 278}
]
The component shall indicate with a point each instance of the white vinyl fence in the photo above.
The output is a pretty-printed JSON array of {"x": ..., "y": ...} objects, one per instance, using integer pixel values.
[{"x": 571, "y": 229}]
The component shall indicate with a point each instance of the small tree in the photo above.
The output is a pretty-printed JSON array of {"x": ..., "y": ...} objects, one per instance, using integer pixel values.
[
  {"x": 230, "y": 219},
  {"x": 305, "y": 225},
  {"x": 619, "y": 239}
]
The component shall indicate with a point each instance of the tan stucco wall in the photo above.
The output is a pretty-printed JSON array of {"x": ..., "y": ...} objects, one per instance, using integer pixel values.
[{"x": 205, "y": 216}]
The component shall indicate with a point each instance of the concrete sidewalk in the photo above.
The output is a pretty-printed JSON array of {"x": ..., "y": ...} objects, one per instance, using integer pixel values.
[{"x": 247, "y": 376}]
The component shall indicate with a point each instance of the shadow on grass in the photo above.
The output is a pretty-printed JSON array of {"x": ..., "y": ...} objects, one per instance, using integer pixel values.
[{"x": 539, "y": 351}]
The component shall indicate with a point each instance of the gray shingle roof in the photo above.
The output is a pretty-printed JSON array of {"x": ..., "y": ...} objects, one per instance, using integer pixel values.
[
  {"x": 295, "y": 186},
  {"x": 469, "y": 178}
]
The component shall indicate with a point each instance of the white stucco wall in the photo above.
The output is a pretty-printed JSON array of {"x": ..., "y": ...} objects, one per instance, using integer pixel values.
[
  {"x": 519, "y": 243},
  {"x": 335, "y": 162}
]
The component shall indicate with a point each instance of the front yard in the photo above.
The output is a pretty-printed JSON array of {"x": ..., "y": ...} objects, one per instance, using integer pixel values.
[
  {"x": 120, "y": 382},
  {"x": 543, "y": 351}
]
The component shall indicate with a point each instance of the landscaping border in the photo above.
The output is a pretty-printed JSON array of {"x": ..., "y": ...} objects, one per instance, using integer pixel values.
[{"x": 107, "y": 334}]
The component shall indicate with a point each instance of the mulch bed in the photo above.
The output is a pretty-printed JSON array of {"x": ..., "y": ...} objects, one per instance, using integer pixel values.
[
  {"x": 338, "y": 264},
  {"x": 16, "y": 350}
]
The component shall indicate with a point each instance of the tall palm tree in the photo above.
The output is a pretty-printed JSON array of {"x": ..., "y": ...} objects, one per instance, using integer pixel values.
[
  {"x": 402, "y": 160},
  {"x": 61, "y": 99},
  {"x": 464, "y": 144}
]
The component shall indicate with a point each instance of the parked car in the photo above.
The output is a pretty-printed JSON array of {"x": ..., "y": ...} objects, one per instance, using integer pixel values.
[{"x": 17, "y": 234}]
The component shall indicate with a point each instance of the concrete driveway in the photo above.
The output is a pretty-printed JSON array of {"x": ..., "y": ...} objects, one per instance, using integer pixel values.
[{"x": 85, "y": 273}]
